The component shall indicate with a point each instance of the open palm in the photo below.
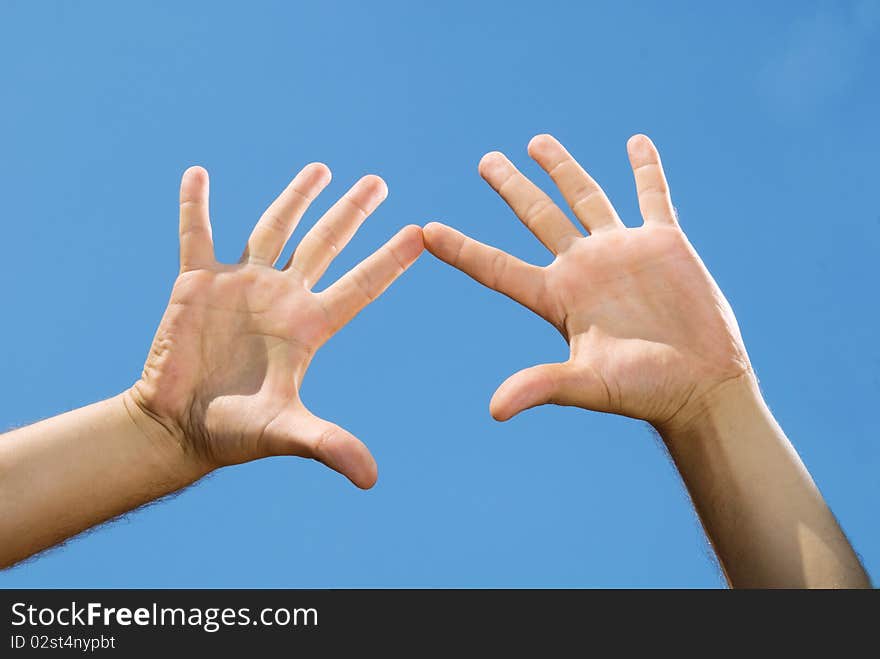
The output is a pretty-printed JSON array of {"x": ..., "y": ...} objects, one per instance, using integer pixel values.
[
  {"x": 224, "y": 372},
  {"x": 649, "y": 330}
]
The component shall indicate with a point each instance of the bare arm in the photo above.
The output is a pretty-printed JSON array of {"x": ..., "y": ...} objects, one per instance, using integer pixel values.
[
  {"x": 221, "y": 383},
  {"x": 761, "y": 509},
  {"x": 63, "y": 475},
  {"x": 652, "y": 337}
]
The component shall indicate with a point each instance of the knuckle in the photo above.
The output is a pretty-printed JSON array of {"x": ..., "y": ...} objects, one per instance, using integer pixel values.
[
  {"x": 364, "y": 284},
  {"x": 358, "y": 207},
  {"x": 326, "y": 435},
  {"x": 498, "y": 268},
  {"x": 584, "y": 195},
  {"x": 273, "y": 222},
  {"x": 535, "y": 209}
]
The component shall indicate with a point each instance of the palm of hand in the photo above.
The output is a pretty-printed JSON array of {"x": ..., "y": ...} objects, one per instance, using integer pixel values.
[
  {"x": 230, "y": 355},
  {"x": 649, "y": 330},
  {"x": 232, "y": 349},
  {"x": 644, "y": 320}
]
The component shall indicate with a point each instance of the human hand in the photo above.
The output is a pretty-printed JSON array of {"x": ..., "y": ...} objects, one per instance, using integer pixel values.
[
  {"x": 225, "y": 368},
  {"x": 650, "y": 332}
]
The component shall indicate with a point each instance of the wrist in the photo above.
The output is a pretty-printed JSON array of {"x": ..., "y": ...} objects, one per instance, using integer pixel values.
[
  {"x": 165, "y": 442},
  {"x": 728, "y": 402}
]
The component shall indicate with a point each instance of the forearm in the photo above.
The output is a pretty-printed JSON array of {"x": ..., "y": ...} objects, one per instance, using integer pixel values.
[
  {"x": 63, "y": 475},
  {"x": 764, "y": 515}
]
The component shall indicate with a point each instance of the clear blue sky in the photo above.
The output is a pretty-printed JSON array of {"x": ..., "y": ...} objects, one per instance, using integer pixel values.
[{"x": 767, "y": 121}]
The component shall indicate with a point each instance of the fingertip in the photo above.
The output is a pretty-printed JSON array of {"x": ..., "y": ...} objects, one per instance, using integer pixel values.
[
  {"x": 375, "y": 186},
  {"x": 491, "y": 163},
  {"x": 540, "y": 145},
  {"x": 349, "y": 456},
  {"x": 497, "y": 414},
  {"x": 412, "y": 240},
  {"x": 524, "y": 390},
  {"x": 498, "y": 408},
  {"x": 195, "y": 173},
  {"x": 367, "y": 473},
  {"x": 319, "y": 171},
  {"x": 501, "y": 407},
  {"x": 432, "y": 231},
  {"x": 194, "y": 178},
  {"x": 194, "y": 184},
  {"x": 412, "y": 229},
  {"x": 368, "y": 193},
  {"x": 640, "y": 146},
  {"x": 367, "y": 477},
  {"x": 438, "y": 238}
]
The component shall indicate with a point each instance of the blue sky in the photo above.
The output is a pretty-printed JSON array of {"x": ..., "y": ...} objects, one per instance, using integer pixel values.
[{"x": 766, "y": 119}]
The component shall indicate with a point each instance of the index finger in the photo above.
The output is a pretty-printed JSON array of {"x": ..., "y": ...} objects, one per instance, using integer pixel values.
[
  {"x": 493, "y": 268},
  {"x": 344, "y": 299}
]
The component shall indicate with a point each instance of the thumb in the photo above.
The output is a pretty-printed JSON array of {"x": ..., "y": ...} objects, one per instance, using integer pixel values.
[
  {"x": 559, "y": 384},
  {"x": 303, "y": 434}
]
